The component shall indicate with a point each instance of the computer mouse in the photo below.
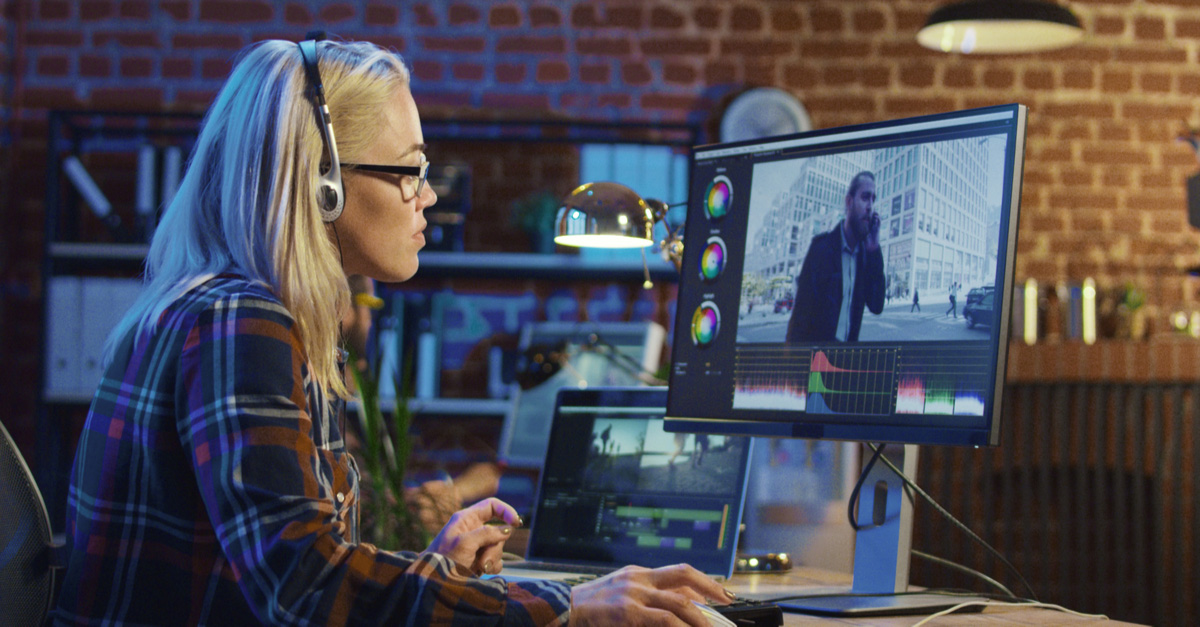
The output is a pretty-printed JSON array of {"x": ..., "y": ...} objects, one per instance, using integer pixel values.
[{"x": 715, "y": 618}]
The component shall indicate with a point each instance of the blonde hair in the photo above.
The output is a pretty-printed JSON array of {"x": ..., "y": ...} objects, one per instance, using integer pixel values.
[{"x": 247, "y": 202}]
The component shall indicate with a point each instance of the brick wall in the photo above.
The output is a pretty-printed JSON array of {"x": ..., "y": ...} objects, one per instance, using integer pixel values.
[{"x": 1104, "y": 187}]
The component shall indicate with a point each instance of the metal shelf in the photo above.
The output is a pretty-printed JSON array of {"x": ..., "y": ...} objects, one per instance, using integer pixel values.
[
  {"x": 447, "y": 406},
  {"x": 445, "y": 264}
]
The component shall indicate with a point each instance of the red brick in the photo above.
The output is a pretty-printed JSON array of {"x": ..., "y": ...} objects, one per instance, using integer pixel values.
[
  {"x": 720, "y": 72},
  {"x": 916, "y": 75},
  {"x": 1079, "y": 78},
  {"x": 1116, "y": 80},
  {"x": 869, "y": 21},
  {"x": 1038, "y": 78},
  {"x": 1067, "y": 110},
  {"x": 463, "y": 14},
  {"x": 49, "y": 97},
  {"x": 552, "y": 72},
  {"x": 136, "y": 9},
  {"x": 636, "y": 74},
  {"x": 1156, "y": 82},
  {"x": 177, "y": 67},
  {"x": 1187, "y": 28},
  {"x": 827, "y": 20},
  {"x": 541, "y": 17},
  {"x": 999, "y": 78},
  {"x": 666, "y": 18},
  {"x": 125, "y": 98},
  {"x": 876, "y": 76},
  {"x": 505, "y": 16},
  {"x": 603, "y": 46},
  {"x": 67, "y": 39},
  {"x": 1144, "y": 111},
  {"x": 679, "y": 73},
  {"x": 690, "y": 46},
  {"x": 1156, "y": 54},
  {"x": 707, "y": 18},
  {"x": 1077, "y": 176},
  {"x": 452, "y": 44},
  {"x": 427, "y": 70},
  {"x": 1108, "y": 25},
  {"x": 533, "y": 45},
  {"x": 215, "y": 68},
  {"x": 683, "y": 104},
  {"x": 1150, "y": 28},
  {"x": 745, "y": 18},
  {"x": 510, "y": 72},
  {"x": 235, "y": 11},
  {"x": 136, "y": 67},
  {"x": 1188, "y": 84},
  {"x": 594, "y": 73},
  {"x": 786, "y": 20},
  {"x": 758, "y": 49},
  {"x": 334, "y": 13},
  {"x": 54, "y": 10},
  {"x": 53, "y": 65},
  {"x": 194, "y": 99},
  {"x": 96, "y": 10},
  {"x": 624, "y": 17},
  {"x": 836, "y": 75},
  {"x": 125, "y": 39},
  {"x": 381, "y": 15},
  {"x": 467, "y": 71},
  {"x": 585, "y": 16},
  {"x": 92, "y": 66},
  {"x": 1075, "y": 130},
  {"x": 836, "y": 50},
  {"x": 519, "y": 102}
]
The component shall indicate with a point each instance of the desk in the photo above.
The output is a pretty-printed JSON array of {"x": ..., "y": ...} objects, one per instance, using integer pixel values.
[{"x": 817, "y": 579}]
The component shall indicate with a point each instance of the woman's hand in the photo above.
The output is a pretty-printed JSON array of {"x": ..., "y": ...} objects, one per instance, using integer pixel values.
[
  {"x": 640, "y": 596},
  {"x": 470, "y": 541}
]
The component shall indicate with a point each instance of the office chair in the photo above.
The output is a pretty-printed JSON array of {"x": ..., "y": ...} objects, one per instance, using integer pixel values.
[{"x": 29, "y": 558}]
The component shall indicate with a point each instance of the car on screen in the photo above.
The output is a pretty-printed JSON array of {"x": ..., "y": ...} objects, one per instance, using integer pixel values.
[
  {"x": 784, "y": 304},
  {"x": 977, "y": 293},
  {"x": 980, "y": 311}
]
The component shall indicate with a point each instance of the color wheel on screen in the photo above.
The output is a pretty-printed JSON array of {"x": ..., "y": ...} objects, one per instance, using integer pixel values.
[
  {"x": 706, "y": 322},
  {"x": 718, "y": 198},
  {"x": 712, "y": 260}
]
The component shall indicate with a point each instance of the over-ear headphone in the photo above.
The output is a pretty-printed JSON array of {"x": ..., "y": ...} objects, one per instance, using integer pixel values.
[{"x": 331, "y": 198}]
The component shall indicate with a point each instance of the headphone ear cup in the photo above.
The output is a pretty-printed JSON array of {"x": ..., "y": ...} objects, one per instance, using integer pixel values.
[{"x": 330, "y": 201}]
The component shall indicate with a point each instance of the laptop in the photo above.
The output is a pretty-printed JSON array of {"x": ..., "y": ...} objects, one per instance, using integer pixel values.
[{"x": 616, "y": 490}]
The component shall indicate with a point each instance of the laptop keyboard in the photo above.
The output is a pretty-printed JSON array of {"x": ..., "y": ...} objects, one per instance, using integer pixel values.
[{"x": 563, "y": 568}]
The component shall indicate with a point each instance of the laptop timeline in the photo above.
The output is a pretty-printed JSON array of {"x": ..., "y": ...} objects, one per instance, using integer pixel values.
[{"x": 616, "y": 490}]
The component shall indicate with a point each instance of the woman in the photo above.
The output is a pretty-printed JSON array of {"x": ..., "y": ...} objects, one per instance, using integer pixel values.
[{"x": 211, "y": 484}]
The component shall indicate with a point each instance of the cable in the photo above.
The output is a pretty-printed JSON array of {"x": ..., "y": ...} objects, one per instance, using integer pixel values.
[
  {"x": 963, "y": 569},
  {"x": 1050, "y": 606},
  {"x": 852, "y": 506},
  {"x": 956, "y": 522}
]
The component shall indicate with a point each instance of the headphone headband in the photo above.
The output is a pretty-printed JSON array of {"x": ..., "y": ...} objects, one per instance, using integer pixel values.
[{"x": 331, "y": 197}]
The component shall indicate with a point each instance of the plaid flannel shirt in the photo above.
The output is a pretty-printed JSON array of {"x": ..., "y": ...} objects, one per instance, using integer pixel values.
[{"x": 212, "y": 486}]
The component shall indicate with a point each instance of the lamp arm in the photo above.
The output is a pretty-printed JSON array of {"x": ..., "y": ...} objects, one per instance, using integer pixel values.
[{"x": 672, "y": 244}]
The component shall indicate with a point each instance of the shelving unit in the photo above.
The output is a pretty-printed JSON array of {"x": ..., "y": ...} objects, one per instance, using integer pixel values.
[{"x": 72, "y": 248}]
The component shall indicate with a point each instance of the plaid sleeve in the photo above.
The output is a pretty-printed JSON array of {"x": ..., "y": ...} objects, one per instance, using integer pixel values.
[{"x": 278, "y": 502}]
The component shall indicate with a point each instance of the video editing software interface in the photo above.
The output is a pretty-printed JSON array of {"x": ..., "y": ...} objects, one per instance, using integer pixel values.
[
  {"x": 617, "y": 488},
  {"x": 779, "y": 333}
]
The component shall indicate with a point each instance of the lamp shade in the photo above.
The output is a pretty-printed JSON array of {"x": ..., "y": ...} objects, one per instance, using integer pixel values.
[
  {"x": 1000, "y": 26},
  {"x": 605, "y": 215}
]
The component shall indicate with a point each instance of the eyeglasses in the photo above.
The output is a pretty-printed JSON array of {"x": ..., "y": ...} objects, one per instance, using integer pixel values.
[{"x": 419, "y": 172}]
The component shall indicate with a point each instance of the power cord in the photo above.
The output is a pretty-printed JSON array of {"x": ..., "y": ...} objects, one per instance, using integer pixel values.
[{"x": 941, "y": 510}]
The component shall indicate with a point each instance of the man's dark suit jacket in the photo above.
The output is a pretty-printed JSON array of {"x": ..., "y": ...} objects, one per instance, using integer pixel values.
[{"x": 818, "y": 300}]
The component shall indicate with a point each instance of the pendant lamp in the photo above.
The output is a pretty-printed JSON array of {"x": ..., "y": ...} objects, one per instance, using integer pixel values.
[{"x": 1000, "y": 27}]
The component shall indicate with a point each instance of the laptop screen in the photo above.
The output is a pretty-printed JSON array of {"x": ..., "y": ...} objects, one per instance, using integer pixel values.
[{"x": 616, "y": 489}]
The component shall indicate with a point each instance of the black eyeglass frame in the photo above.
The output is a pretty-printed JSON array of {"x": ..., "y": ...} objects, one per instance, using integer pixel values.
[{"x": 419, "y": 171}]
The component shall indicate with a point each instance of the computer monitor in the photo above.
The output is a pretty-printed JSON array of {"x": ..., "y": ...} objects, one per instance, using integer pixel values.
[{"x": 914, "y": 223}]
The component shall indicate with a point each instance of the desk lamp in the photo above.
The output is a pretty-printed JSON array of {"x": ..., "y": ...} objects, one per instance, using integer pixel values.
[{"x": 610, "y": 215}]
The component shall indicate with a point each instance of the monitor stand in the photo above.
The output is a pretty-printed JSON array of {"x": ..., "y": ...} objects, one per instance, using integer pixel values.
[{"x": 881, "y": 552}]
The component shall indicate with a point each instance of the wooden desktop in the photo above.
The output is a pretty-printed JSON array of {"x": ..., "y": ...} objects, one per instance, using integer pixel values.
[{"x": 816, "y": 580}]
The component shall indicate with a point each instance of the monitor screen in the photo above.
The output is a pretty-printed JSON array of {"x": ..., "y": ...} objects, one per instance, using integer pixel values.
[{"x": 851, "y": 283}]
